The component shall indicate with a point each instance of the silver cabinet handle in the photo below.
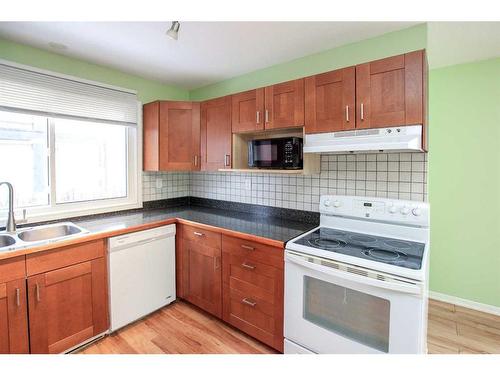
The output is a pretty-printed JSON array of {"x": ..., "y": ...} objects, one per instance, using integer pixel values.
[
  {"x": 196, "y": 160},
  {"x": 267, "y": 116},
  {"x": 347, "y": 113},
  {"x": 216, "y": 263},
  {"x": 227, "y": 160},
  {"x": 37, "y": 291},
  {"x": 248, "y": 247},
  {"x": 199, "y": 234},
  {"x": 249, "y": 266},
  {"x": 362, "y": 111},
  {"x": 258, "y": 117},
  {"x": 18, "y": 297},
  {"x": 248, "y": 302}
]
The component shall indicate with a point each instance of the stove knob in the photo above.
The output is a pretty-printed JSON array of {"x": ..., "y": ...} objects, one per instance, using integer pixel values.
[
  {"x": 336, "y": 204},
  {"x": 327, "y": 203},
  {"x": 393, "y": 209},
  {"x": 405, "y": 210},
  {"x": 416, "y": 211}
]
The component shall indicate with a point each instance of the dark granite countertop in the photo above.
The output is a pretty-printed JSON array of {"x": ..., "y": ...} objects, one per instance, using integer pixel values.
[{"x": 271, "y": 227}]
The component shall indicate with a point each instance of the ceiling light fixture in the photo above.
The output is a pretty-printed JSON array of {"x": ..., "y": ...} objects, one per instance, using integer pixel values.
[{"x": 173, "y": 32}]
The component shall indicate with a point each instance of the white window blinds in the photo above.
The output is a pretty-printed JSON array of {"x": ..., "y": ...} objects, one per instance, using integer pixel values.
[{"x": 25, "y": 90}]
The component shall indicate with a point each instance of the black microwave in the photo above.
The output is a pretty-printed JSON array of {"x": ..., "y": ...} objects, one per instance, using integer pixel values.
[{"x": 279, "y": 153}]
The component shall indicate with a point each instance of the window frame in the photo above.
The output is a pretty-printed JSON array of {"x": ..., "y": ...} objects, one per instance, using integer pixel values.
[{"x": 55, "y": 210}]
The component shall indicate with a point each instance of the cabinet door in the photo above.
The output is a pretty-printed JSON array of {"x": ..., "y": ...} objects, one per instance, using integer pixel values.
[
  {"x": 179, "y": 136},
  {"x": 216, "y": 134},
  {"x": 330, "y": 101},
  {"x": 203, "y": 276},
  {"x": 247, "y": 111},
  {"x": 284, "y": 105},
  {"x": 13, "y": 318},
  {"x": 67, "y": 306},
  {"x": 389, "y": 92}
]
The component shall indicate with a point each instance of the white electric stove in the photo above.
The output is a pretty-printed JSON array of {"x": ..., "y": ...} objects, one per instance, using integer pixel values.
[{"x": 359, "y": 282}]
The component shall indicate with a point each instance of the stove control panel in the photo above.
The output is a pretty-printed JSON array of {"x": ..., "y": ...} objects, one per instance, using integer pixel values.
[{"x": 380, "y": 209}]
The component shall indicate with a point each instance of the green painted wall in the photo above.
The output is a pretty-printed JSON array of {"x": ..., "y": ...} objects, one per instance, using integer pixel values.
[
  {"x": 464, "y": 180},
  {"x": 389, "y": 44},
  {"x": 147, "y": 90}
]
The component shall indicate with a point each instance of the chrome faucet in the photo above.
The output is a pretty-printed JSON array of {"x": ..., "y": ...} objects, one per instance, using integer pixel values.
[{"x": 10, "y": 226}]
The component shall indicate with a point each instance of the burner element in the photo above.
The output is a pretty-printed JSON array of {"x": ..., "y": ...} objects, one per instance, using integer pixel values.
[
  {"x": 327, "y": 244},
  {"x": 386, "y": 255}
]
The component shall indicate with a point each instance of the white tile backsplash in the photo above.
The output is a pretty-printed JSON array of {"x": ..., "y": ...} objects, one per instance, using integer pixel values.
[
  {"x": 172, "y": 185},
  {"x": 398, "y": 176}
]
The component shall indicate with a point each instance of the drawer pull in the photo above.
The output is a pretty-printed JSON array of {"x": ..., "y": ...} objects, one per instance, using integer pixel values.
[
  {"x": 248, "y": 302},
  {"x": 249, "y": 266},
  {"x": 199, "y": 234},
  {"x": 18, "y": 297},
  {"x": 246, "y": 247}
]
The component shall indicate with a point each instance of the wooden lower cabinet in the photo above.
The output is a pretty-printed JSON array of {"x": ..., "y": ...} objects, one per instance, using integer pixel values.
[
  {"x": 253, "y": 289},
  {"x": 13, "y": 318},
  {"x": 201, "y": 269},
  {"x": 68, "y": 305},
  {"x": 13, "y": 307},
  {"x": 236, "y": 280}
]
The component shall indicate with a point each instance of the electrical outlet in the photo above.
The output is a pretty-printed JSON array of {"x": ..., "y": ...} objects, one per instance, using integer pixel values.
[
  {"x": 159, "y": 184},
  {"x": 248, "y": 184}
]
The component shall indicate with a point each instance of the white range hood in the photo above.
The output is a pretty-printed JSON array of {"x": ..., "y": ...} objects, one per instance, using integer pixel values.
[{"x": 397, "y": 139}]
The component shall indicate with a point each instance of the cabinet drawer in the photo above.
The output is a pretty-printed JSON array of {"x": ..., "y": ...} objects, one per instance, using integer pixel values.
[
  {"x": 65, "y": 256},
  {"x": 253, "y": 251},
  {"x": 252, "y": 310},
  {"x": 199, "y": 235},
  {"x": 258, "y": 274},
  {"x": 251, "y": 297},
  {"x": 12, "y": 269}
]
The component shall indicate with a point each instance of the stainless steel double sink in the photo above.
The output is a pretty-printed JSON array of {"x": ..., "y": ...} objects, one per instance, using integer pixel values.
[{"x": 39, "y": 235}]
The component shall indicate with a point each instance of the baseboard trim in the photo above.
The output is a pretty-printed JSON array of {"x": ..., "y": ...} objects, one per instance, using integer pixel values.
[{"x": 490, "y": 309}]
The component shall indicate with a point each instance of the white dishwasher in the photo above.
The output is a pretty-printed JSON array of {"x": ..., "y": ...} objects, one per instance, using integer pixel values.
[{"x": 141, "y": 273}]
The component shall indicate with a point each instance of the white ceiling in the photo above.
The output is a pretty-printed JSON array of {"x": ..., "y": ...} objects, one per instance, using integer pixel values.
[
  {"x": 451, "y": 43},
  {"x": 206, "y": 52}
]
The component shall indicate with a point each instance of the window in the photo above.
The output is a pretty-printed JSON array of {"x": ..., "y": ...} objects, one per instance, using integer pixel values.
[
  {"x": 90, "y": 161},
  {"x": 59, "y": 164},
  {"x": 68, "y": 146},
  {"x": 24, "y": 159}
]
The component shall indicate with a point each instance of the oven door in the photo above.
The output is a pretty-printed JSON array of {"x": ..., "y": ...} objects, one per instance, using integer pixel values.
[{"x": 332, "y": 307}]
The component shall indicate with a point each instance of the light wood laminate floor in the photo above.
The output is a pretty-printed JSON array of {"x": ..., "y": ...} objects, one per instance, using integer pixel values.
[{"x": 183, "y": 328}]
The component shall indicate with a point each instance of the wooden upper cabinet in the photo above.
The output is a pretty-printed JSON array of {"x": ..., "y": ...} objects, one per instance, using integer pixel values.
[
  {"x": 248, "y": 111},
  {"x": 171, "y": 136},
  {"x": 330, "y": 101},
  {"x": 390, "y": 92},
  {"x": 150, "y": 137},
  {"x": 284, "y": 105},
  {"x": 216, "y": 134}
]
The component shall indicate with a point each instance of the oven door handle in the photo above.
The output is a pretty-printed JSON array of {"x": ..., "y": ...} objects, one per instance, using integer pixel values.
[{"x": 409, "y": 289}]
